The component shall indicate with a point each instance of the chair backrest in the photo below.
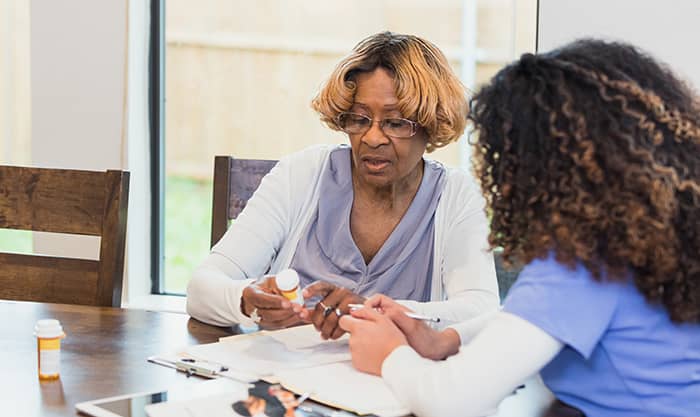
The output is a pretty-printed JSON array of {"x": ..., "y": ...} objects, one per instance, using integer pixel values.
[
  {"x": 64, "y": 201},
  {"x": 506, "y": 276},
  {"x": 235, "y": 181}
]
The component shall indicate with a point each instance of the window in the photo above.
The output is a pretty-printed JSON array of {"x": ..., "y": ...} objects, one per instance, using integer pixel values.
[
  {"x": 239, "y": 77},
  {"x": 15, "y": 103}
]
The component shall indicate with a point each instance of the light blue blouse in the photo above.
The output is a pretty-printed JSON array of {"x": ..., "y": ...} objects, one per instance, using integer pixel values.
[{"x": 401, "y": 269}]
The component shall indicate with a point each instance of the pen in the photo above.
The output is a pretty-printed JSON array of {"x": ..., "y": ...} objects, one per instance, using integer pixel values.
[
  {"x": 205, "y": 369},
  {"x": 421, "y": 317},
  {"x": 408, "y": 313}
]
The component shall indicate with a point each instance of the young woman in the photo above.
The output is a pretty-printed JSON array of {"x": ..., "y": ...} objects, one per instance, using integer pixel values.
[{"x": 589, "y": 159}]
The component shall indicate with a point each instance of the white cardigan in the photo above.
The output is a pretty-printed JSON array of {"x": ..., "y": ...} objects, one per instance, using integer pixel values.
[{"x": 265, "y": 235}]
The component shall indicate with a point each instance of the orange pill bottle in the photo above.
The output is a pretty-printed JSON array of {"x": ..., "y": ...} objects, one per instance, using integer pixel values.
[
  {"x": 287, "y": 281},
  {"x": 48, "y": 334}
]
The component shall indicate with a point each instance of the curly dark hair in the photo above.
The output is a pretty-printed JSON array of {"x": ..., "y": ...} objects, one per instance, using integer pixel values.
[{"x": 592, "y": 152}]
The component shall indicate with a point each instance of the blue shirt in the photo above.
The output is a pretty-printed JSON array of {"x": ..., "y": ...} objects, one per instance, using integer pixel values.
[
  {"x": 622, "y": 355},
  {"x": 403, "y": 266}
]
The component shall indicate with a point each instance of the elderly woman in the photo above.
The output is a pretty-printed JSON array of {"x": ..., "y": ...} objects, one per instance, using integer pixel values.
[
  {"x": 372, "y": 217},
  {"x": 589, "y": 157}
]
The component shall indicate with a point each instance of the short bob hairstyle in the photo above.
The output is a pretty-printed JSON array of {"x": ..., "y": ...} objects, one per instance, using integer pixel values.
[{"x": 428, "y": 90}]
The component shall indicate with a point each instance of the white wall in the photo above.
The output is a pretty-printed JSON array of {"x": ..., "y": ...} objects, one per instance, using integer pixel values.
[
  {"x": 78, "y": 66},
  {"x": 669, "y": 30},
  {"x": 78, "y": 59},
  {"x": 79, "y": 73}
]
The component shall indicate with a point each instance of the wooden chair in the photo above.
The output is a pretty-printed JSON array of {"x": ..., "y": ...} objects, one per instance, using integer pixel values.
[
  {"x": 506, "y": 277},
  {"x": 235, "y": 181},
  {"x": 64, "y": 201}
]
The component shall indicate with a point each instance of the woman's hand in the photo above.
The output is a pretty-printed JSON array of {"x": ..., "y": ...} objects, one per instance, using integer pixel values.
[
  {"x": 429, "y": 343},
  {"x": 263, "y": 300},
  {"x": 325, "y": 315},
  {"x": 373, "y": 336}
]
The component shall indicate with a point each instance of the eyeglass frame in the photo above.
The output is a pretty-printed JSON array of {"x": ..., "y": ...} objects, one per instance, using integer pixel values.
[{"x": 415, "y": 125}]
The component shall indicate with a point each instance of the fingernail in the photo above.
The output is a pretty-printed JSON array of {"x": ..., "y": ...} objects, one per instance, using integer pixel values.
[{"x": 286, "y": 304}]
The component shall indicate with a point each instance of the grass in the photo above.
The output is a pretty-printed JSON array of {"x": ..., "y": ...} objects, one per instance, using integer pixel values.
[
  {"x": 18, "y": 241},
  {"x": 187, "y": 228}
]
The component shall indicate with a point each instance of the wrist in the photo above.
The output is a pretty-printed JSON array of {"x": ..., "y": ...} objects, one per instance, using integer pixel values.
[
  {"x": 390, "y": 351},
  {"x": 243, "y": 303},
  {"x": 448, "y": 344}
]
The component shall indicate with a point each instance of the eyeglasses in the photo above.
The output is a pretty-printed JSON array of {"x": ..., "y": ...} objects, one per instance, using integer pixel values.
[{"x": 355, "y": 124}]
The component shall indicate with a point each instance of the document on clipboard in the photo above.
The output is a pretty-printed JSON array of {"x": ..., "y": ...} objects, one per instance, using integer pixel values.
[
  {"x": 267, "y": 352},
  {"x": 339, "y": 385},
  {"x": 301, "y": 361}
]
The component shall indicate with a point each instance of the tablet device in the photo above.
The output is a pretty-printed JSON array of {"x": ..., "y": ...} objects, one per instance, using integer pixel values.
[{"x": 130, "y": 405}]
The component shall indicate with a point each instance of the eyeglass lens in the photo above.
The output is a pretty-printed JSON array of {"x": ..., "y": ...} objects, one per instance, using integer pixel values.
[{"x": 355, "y": 123}]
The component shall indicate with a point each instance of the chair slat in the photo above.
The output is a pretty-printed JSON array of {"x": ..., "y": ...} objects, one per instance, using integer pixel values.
[
  {"x": 48, "y": 279},
  {"x": 65, "y": 201},
  {"x": 109, "y": 288},
  {"x": 51, "y": 200}
]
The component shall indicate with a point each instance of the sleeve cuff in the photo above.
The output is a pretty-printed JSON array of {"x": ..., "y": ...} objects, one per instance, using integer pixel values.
[
  {"x": 395, "y": 365},
  {"x": 235, "y": 301},
  {"x": 470, "y": 328}
]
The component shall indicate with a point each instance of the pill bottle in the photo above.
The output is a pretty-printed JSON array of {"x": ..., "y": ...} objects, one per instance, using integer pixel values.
[
  {"x": 288, "y": 283},
  {"x": 48, "y": 334}
]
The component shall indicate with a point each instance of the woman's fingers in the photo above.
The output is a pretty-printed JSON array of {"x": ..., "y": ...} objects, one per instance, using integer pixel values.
[
  {"x": 276, "y": 315},
  {"x": 326, "y": 319},
  {"x": 366, "y": 314},
  {"x": 278, "y": 319},
  {"x": 383, "y": 303},
  {"x": 349, "y": 323},
  {"x": 274, "y": 311},
  {"x": 372, "y": 337},
  {"x": 377, "y": 300},
  {"x": 256, "y": 298},
  {"x": 326, "y": 322},
  {"x": 324, "y": 308},
  {"x": 401, "y": 320},
  {"x": 337, "y": 332},
  {"x": 269, "y": 285},
  {"x": 318, "y": 288}
]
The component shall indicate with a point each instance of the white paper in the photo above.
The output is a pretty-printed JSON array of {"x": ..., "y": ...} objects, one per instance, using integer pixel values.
[
  {"x": 206, "y": 399},
  {"x": 266, "y": 353},
  {"x": 340, "y": 385},
  {"x": 211, "y": 406},
  {"x": 307, "y": 338},
  {"x": 304, "y": 363}
]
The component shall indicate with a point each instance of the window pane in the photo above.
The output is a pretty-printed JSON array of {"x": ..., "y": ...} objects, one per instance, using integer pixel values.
[
  {"x": 240, "y": 76},
  {"x": 15, "y": 105}
]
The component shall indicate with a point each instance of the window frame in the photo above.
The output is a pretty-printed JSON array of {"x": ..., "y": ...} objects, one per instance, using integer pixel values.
[{"x": 156, "y": 110}]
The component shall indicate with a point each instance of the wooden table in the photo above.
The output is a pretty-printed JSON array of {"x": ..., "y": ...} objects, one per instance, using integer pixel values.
[
  {"x": 105, "y": 351},
  {"x": 104, "y": 354}
]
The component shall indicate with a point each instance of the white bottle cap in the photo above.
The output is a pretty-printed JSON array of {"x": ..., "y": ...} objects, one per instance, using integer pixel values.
[
  {"x": 287, "y": 279},
  {"x": 48, "y": 328}
]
